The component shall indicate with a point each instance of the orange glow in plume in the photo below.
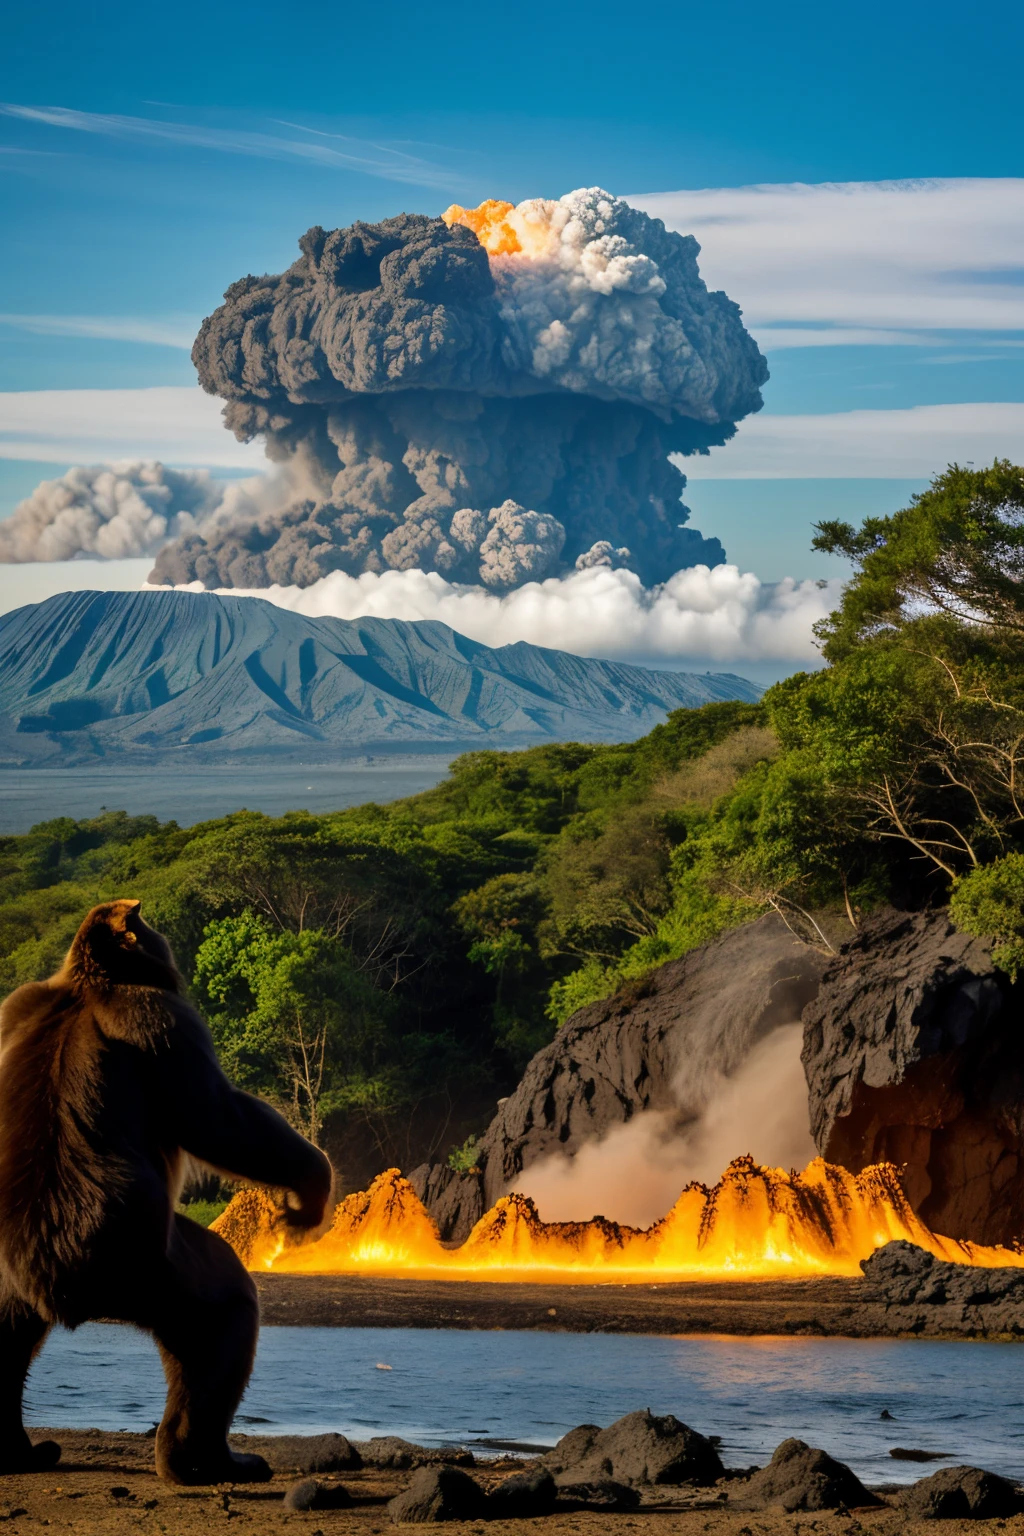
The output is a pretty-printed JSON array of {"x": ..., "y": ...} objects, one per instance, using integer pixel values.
[
  {"x": 527, "y": 229},
  {"x": 755, "y": 1223},
  {"x": 489, "y": 223}
]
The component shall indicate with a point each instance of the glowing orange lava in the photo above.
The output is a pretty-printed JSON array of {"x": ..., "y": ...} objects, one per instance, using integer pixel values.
[{"x": 755, "y": 1223}]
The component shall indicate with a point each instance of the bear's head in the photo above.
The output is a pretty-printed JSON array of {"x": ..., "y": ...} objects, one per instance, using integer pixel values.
[{"x": 114, "y": 947}]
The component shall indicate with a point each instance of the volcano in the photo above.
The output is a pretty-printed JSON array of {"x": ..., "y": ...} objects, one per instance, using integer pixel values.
[{"x": 88, "y": 675}]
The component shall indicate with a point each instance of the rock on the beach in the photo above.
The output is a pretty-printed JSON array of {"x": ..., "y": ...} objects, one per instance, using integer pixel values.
[
  {"x": 601, "y": 1495},
  {"x": 438, "y": 1493},
  {"x": 637, "y": 1449},
  {"x": 922, "y": 1293},
  {"x": 572, "y": 1447},
  {"x": 305, "y": 1453},
  {"x": 309, "y": 1494},
  {"x": 801, "y": 1478},
  {"x": 523, "y": 1496},
  {"x": 962, "y": 1493},
  {"x": 392, "y": 1453}
]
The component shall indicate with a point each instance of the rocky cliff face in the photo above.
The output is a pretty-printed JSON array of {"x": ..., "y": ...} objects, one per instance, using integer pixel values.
[
  {"x": 656, "y": 1047},
  {"x": 914, "y": 1055}
]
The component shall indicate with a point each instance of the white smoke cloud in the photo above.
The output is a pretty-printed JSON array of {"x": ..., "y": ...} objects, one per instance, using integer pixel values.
[
  {"x": 126, "y": 510},
  {"x": 719, "y": 613},
  {"x": 760, "y": 1109},
  {"x": 582, "y": 304},
  {"x": 635, "y": 1174},
  {"x": 114, "y": 511}
]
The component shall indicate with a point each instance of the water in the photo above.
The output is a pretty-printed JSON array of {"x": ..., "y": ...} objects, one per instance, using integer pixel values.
[
  {"x": 188, "y": 795},
  {"x": 965, "y": 1398}
]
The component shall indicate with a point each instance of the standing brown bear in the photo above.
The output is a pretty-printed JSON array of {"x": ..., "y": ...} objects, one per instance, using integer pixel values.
[{"x": 108, "y": 1082}]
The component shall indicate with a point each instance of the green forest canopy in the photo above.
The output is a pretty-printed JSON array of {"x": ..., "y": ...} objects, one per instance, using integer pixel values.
[{"x": 374, "y": 969}]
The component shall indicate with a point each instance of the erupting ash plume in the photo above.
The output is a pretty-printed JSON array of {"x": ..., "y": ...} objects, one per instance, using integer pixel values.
[{"x": 492, "y": 396}]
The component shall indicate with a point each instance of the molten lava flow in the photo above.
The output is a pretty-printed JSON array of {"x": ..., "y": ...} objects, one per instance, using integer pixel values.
[{"x": 756, "y": 1222}]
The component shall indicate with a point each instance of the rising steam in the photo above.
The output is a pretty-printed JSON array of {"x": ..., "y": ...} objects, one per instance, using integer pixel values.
[
  {"x": 491, "y": 396},
  {"x": 634, "y": 1174}
]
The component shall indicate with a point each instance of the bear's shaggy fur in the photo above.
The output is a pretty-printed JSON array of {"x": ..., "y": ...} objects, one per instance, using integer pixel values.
[{"x": 108, "y": 1084}]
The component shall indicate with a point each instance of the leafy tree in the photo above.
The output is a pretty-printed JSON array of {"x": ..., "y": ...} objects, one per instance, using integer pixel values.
[
  {"x": 291, "y": 1015},
  {"x": 956, "y": 551},
  {"x": 919, "y": 721},
  {"x": 463, "y": 1159},
  {"x": 989, "y": 902}
]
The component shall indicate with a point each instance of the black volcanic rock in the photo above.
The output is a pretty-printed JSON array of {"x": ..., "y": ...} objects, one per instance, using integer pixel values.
[
  {"x": 306, "y": 1453},
  {"x": 640, "y": 1449},
  {"x": 649, "y": 1047},
  {"x": 309, "y": 1494},
  {"x": 523, "y": 1496},
  {"x": 87, "y": 675},
  {"x": 604, "y": 1495},
  {"x": 923, "y": 1294},
  {"x": 962, "y": 1493},
  {"x": 392, "y": 1453},
  {"x": 438, "y": 1493},
  {"x": 913, "y": 1055},
  {"x": 801, "y": 1478}
]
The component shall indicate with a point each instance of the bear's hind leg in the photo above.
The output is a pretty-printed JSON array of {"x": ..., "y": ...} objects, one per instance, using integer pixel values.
[
  {"x": 22, "y": 1332},
  {"x": 206, "y": 1332}
]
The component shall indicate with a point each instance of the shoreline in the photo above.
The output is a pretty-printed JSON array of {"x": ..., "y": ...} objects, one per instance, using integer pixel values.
[
  {"x": 105, "y": 1485},
  {"x": 823, "y": 1307}
]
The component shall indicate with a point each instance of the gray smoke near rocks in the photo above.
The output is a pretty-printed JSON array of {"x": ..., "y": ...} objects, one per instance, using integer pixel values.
[
  {"x": 496, "y": 409},
  {"x": 637, "y": 1171}
]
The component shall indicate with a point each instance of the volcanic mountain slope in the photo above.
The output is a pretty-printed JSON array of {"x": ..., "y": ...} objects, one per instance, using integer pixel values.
[{"x": 86, "y": 675}]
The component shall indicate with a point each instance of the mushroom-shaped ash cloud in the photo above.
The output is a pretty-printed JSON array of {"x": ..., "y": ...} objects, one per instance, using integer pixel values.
[{"x": 489, "y": 395}]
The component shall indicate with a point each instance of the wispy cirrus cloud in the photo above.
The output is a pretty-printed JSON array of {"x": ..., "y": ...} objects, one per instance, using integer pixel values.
[
  {"x": 171, "y": 332},
  {"x": 360, "y": 155},
  {"x": 914, "y": 443},
  {"x": 177, "y": 424},
  {"x": 861, "y": 263}
]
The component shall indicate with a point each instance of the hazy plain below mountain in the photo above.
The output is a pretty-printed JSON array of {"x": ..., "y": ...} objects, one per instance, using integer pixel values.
[{"x": 137, "y": 676}]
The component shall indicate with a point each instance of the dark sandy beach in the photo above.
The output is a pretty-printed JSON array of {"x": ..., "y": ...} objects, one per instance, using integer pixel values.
[
  {"x": 106, "y": 1486},
  {"x": 828, "y": 1306}
]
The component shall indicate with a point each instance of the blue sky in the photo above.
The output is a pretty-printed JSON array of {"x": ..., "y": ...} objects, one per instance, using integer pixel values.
[{"x": 150, "y": 156}]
